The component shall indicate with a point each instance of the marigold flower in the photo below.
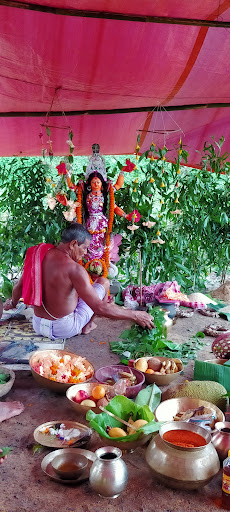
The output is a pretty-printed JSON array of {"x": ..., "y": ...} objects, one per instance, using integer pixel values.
[
  {"x": 162, "y": 201},
  {"x": 180, "y": 151},
  {"x": 152, "y": 158},
  {"x": 151, "y": 180},
  {"x": 158, "y": 232},
  {"x": 134, "y": 190},
  {"x": 178, "y": 172},
  {"x": 137, "y": 147},
  {"x": 162, "y": 184},
  {"x": 163, "y": 158},
  {"x": 176, "y": 200}
]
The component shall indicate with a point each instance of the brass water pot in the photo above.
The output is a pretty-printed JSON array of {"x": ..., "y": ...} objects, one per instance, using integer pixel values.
[
  {"x": 179, "y": 467},
  {"x": 221, "y": 438}
]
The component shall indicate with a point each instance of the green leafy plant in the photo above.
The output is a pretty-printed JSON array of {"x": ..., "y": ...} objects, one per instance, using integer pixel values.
[{"x": 138, "y": 342}]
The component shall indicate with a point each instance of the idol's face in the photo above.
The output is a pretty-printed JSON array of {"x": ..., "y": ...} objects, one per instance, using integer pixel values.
[{"x": 96, "y": 184}]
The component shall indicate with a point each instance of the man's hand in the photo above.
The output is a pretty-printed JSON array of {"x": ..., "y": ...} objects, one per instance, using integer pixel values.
[
  {"x": 144, "y": 319},
  {"x": 8, "y": 305}
]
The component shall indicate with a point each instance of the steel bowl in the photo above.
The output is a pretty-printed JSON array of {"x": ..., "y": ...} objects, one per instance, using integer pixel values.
[
  {"x": 69, "y": 465},
  {"x": 169, "y": 408},
  {"x": 109, "y": 372},
  {"x": 5, "y": 388},
  {"x": 88, "y": 387},
  {"x": 58, "y": 387},
  {"x": 160, "y": 380}
]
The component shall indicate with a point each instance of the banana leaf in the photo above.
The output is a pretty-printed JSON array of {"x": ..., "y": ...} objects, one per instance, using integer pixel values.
[{"x": 123, "y": 407}]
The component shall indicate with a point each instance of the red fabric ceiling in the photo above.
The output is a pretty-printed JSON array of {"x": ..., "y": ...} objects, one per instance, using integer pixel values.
[{"x": 103, "y": 64}]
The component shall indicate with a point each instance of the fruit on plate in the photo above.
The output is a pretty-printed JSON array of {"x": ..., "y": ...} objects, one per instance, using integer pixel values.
[
  {"x": 116, "y": 432},
  {"x": 96, "y": 399},
  {"x": 136, "y": 425},
  {"x": 154, "y": 365}
]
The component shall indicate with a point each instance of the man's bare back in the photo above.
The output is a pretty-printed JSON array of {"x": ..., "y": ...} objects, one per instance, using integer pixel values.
[{"x": 64, "y": 281}]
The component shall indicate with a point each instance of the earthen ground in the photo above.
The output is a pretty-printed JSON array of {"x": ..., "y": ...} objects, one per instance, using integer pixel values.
[{"x": 23, "y": 485}]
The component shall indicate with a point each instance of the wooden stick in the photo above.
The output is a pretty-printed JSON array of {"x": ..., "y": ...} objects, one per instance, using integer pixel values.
[{"x": 117, "y": 418}]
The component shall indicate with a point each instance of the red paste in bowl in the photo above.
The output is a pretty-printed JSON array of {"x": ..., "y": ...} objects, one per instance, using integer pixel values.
[{"x": 184, "y": 438}]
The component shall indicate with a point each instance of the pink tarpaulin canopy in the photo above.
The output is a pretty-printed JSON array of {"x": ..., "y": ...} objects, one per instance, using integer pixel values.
[{"x": 109, "y": 70}]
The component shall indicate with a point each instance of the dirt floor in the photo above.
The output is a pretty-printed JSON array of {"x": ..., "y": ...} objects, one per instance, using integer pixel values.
[{"x": 23, "y": 485}]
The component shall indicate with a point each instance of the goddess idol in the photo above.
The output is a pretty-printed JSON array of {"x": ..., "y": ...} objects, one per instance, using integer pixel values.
[{"x": 92, "y": 199}]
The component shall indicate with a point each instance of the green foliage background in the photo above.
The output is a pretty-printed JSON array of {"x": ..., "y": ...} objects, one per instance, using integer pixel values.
[{"x": 195, "y": 242}]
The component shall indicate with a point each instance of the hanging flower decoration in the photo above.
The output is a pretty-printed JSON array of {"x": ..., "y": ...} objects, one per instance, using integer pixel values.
[
  {"x": 133, "y": 227},
  {"x": 134, "y": 216},
  {"x": 69, "y": 215},
  {"x": 129, "y": 167},
  {"x": 62, "y": 168},
  {"x": 149, "y": 224},
  {"x": 51, "y": 201},
  {"x": 158, "y": 241},
  {"x": 177, "y": 212}
]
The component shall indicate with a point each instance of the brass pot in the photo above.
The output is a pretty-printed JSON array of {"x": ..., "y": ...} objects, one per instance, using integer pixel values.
[
  {"x": 195, "y": 467},
  {"x": 221, "y": 438}
]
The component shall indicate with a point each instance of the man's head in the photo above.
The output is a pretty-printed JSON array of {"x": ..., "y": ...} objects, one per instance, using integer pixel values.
[{"x": 78, "y": 240}]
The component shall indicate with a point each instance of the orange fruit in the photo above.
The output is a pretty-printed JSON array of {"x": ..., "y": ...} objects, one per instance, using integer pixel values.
[
  {"x": 149, "y": 371},
  {"x": 98, "y": 392}
]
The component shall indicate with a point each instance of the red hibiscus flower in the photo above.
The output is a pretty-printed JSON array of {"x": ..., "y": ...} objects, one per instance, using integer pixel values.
[
  {"x": 134, "y": 216},
  {"x": 129, "y": 167},
  {"x": 61, "y": 168}
]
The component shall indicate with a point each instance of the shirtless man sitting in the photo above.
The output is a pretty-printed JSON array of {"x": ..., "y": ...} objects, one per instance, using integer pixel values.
[{"x": 69, "y": 301}]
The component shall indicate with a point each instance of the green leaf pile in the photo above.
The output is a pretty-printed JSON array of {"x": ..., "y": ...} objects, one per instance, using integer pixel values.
[{"x": 141, "y": 342}]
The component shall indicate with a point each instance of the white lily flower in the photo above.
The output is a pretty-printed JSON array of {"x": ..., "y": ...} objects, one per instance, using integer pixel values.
[
  {"x": 69, "y": 142},
  {"x": 158, "y": 241},
  {"x": 177, "y": 212},
  {"x": 51, "y": 201},
  {"x": 69, "y": 215},
  {"x": 70, "y": 203},
  {"x": 133, "y": 227},
  {"x": 148, "y": 224}
]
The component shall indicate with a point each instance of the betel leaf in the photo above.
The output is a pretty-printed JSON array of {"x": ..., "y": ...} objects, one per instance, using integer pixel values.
[{"x": 150, "y": 396}]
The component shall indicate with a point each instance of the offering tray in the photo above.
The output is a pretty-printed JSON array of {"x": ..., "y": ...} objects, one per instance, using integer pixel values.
[
  {"x": 52, "y": 441},
  {"x": 49, "y": 471}
]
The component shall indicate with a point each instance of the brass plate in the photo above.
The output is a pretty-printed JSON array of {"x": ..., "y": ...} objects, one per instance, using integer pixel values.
[
  {"x": 48, "y": 470},
  {"x": 51, "y": 441}
]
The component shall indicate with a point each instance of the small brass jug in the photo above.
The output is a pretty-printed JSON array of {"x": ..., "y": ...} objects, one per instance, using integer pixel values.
[{"x": 221, "y": 438}]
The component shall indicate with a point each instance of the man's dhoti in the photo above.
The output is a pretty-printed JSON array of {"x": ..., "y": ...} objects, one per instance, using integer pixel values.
[{"x": 69, "y": 325}]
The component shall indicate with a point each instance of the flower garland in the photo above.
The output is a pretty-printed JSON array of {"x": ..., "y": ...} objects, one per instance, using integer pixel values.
[
  {"x": 79, "y": 207},
  {"x": 110, "y": 225}
]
